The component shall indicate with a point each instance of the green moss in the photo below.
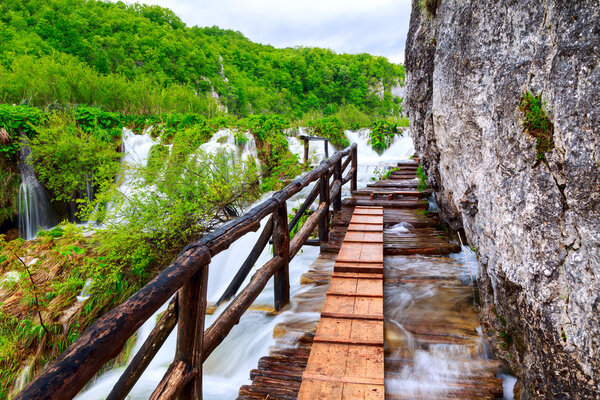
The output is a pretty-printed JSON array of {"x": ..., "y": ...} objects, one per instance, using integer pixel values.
[{"x": 537, "y": 123}]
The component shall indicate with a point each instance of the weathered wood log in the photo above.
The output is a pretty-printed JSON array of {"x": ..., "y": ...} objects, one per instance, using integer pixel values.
[
  {"x": 336, "y": 191},
  {"x": 309, "y": 226},
  {"x": 347, "y": 162},
  {"x": 214, "y": 335},
  {"x": 101, "y": 342},
  {"x": 199, "y": 335},
  {"x": 177, "y": 376},
  {"x": 146, "y": 353},
  {"x": 350, "y": 175},
  {"x": 313, "y": 138},
  {"x": 188, "y": 317},
  {"x": 281, "y": 248},
  {"x": 354, "y": 183},
  {"x": 305, "y": 151},
  {"x": 307, "y": 202},
  {"x": 244, "y": 270},
  {"x": 337, "y": 177},
  {"x": 324, "y": 198}
]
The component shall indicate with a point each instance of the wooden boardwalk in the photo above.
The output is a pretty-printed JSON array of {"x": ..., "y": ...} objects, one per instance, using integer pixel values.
[
  {"x": 346, "y": 360},
  {"x": 352, "y": 324}
]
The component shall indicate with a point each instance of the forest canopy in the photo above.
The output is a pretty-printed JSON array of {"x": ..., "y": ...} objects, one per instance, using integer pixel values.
[{"x": 140, "y": 59}]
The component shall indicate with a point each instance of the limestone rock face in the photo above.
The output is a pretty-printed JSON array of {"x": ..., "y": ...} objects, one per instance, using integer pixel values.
[{"x": 535, "y": 222}]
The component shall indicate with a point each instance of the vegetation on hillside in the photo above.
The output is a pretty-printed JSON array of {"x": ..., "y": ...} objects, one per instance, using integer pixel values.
[{"x": 140, "y": 59}]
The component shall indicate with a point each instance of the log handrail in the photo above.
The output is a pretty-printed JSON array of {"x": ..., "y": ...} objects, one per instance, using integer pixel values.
[{"x": 188, "y": 275}]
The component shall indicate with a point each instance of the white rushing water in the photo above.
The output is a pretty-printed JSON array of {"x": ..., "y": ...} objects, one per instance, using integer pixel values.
[
  {"x": 228, "y": 367},
  {"x": 34, "y": 207}
]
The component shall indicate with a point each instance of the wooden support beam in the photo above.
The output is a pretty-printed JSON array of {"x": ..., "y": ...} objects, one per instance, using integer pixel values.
[
  {"x": 199, "y": 345},
  {"x": 310, "y": 224},
  {"x": 324, "y": 198},
  {"x": 326, "y": 148},
  {"x": 346, "y": 163},
  {"x": 281, "y": 248},
  {"x": 244, "y": 270},
  {"x": 189, "y": 315},
  {"x": 354, "y": 183},
  {"x": 175, "y": 379},
  {"x": 146, "y": 353},
  {"x": 307, "y": 202},
  {"x": 337, "y": 177},
  {"x": 306, "y": 161},
  {"x": 214, "y": 335}
]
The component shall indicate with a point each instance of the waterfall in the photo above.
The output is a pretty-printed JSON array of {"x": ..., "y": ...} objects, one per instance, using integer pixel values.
[{"x": 34, "y": 207}]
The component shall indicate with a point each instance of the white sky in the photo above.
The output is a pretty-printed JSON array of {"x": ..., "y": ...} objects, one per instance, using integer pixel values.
[{"x": 377, "y": 27}]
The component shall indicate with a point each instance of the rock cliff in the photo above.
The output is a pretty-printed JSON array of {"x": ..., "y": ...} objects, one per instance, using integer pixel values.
[{"x": 535, "y": 220}]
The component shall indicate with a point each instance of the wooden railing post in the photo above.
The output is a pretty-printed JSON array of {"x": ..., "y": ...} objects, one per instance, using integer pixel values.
[
  {"x": 281, "y": 247},
  {"x": 337, "y": 176},
  {"x": 192, "y": 309},
  {"x": 324, "y": 198},
  {"x": 354, "y": 181},
  {"x": 325, "y": 142},
  {"x": 199, "y": 350},
  {"x": 305, "y": 151}
]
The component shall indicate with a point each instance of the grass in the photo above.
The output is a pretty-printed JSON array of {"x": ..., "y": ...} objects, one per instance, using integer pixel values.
[{"x": 537, "y": 123}]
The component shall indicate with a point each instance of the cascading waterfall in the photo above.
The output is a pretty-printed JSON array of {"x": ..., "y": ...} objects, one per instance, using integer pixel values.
[
  {"x": 228, "y": 367},
  {"x": 369, "y": 160},
  {"x": 34, "y": 207}
]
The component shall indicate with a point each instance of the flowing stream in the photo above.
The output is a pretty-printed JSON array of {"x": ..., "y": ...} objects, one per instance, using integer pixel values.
[{"x": 229, "y": 365}]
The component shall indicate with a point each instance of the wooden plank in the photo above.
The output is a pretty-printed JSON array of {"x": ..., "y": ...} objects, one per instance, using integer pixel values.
[
  {"x": 363, "y": 237},
  {"x": 346, "y": 359}
]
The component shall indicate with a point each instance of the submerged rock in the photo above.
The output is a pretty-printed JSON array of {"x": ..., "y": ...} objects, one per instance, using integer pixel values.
[{"x": 534, "y": 218}]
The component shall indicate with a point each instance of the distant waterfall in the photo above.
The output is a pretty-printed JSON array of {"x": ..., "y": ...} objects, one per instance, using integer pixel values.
[{"x": 34, "y": 208}]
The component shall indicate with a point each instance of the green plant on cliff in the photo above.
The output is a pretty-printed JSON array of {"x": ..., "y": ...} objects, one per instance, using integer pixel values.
[
  {"x": 537, "y": 123},
  {"x": 422, "y": 179}
]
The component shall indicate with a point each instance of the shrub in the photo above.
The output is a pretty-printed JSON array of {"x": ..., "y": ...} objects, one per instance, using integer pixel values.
[
  {"x": 331, "y": 128},
  {"x": 382, "y": 135},
  {"x": 67, "y": 158}
]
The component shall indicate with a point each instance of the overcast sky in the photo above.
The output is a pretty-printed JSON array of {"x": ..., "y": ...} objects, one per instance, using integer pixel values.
[{"x": 346, "y": 26}]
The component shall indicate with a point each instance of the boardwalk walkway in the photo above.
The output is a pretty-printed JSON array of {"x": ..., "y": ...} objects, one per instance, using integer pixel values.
[
  {"x": 412, "y": 243},
  {"x": 346, "y": 359}
]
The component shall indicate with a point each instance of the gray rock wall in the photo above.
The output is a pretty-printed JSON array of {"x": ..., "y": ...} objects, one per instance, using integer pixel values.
[{"x": 535, "y": 223}]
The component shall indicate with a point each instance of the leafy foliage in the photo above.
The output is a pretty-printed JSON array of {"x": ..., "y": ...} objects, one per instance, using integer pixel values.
[
  {"x": 537, "y": 123},
  {"x": 382, "y": 135},
  {"x": 331, "y": 128},
  {"x": 279, "y": 164},
  {"x": 69, "y": 160},
  {"x": 422, "y": 179}
]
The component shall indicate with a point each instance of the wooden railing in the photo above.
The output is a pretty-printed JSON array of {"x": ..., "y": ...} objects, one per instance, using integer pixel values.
[{"x": 187, "y": 278}]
